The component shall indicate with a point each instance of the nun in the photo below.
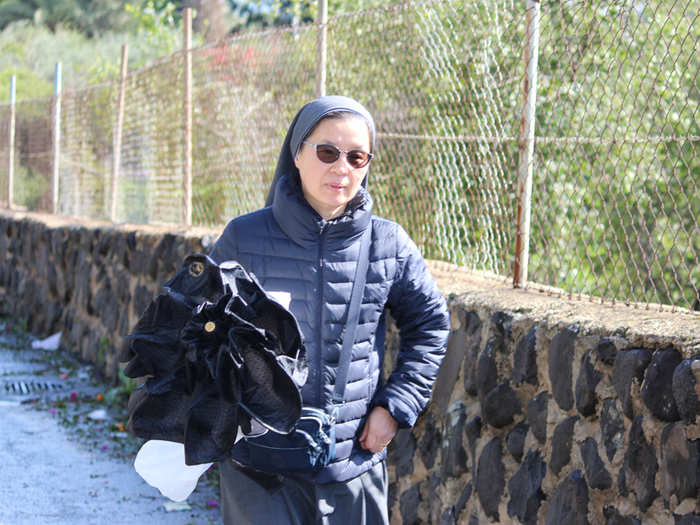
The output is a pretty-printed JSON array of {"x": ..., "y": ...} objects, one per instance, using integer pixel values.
[{"x": 305, "y": 244}]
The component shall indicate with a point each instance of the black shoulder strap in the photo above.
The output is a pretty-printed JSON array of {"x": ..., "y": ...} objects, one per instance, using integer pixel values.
[{"x": 358, "y": 287}]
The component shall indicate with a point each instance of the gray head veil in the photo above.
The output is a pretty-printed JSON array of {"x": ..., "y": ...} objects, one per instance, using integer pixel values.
[{"x": 302, "y": 125}]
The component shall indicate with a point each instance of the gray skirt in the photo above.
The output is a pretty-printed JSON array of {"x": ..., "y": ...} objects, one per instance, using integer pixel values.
[{"x": 247, "y": 499}]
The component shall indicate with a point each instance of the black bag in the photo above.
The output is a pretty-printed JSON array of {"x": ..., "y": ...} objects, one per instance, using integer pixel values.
[{"x": 311, "y": 445}]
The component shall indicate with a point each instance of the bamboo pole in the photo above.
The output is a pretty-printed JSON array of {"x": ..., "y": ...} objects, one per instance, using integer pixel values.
[
  {"x": 56, "y": 134},
  {"x": 527, "y": 140},
  {"x": 11, "y": 153},
  {"x": 116, "y": 164},
  {"x": 322, "y": 21},
  {"x": 187, "y": 175}
]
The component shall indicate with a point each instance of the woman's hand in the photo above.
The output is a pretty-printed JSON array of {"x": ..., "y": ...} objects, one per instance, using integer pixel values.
[{"x": 380, "y": 428}]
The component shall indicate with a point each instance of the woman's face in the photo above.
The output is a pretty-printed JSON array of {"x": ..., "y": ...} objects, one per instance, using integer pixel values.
[{"x": 329, "y": 187}]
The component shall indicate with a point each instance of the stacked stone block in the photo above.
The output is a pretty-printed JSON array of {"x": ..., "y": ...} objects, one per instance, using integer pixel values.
[
  {"x": 531, "y": 421},
  {"x": 551, "y": 424},
  {"x": 91, "y": 283}
]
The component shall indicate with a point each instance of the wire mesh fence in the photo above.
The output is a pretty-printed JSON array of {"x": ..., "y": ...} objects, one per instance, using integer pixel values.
[
  {"x": 617, "y": 151},
  {"x": 33, "y": 155},
  {"x": 5, "y": 130},
  {"x": 245, "y": 92},
  {"x": 149, "y": 186},
  {"x": 85, "y": 151},
  {"x": 616, "y": 168},
  {"x": 441, "y": 79}
]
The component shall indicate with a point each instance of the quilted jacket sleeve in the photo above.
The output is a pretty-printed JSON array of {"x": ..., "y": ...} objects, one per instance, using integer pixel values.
[
  {"x": 420, "y": 312},
  {"x": 225, "y": 247}
]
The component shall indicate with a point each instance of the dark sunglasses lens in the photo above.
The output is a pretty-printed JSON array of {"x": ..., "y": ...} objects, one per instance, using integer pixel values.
[
  {"x": 357, "y": 158},
  {"x": 327, "y": 153}
]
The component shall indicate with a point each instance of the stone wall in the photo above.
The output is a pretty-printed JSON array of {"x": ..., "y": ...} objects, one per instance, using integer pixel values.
[
  {"x": 89, "y": 281},
  {"x": 541, "y": 420},
  {"x": 546, "y": 410}
]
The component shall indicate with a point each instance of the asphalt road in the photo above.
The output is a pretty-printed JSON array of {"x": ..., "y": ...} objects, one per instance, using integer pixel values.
[{"x": 49, "y": 477}]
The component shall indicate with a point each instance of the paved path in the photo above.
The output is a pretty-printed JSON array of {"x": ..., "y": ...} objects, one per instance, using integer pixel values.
[{"x": 46, "y": 478}]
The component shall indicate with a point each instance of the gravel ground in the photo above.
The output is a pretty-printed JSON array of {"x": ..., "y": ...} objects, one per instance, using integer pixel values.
[{"x": 65, "y": 456}]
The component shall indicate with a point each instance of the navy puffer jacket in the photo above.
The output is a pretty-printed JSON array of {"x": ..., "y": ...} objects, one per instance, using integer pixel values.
[{"x": 290, "y": 248}]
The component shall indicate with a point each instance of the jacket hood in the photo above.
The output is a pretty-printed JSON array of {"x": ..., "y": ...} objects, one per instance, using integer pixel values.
[{"x": 301, "y": 223}]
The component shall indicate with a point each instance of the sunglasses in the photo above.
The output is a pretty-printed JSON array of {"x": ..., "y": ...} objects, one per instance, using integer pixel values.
[{"x": 328, "y": 153}]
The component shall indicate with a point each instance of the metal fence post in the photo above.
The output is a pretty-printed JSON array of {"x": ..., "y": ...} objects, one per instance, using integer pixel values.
[
  {"x": 56, "y": 134},
  {"x": 322, "y": 20},
  {"x": 527, "y": 139},
  {"x": 11, "y": 153},
  {"x": 118, "y": 133},
  {"x": 187, "y": 21}
]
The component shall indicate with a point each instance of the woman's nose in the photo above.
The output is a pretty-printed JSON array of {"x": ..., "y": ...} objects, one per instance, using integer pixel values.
[{"x": 342, "y": 163}]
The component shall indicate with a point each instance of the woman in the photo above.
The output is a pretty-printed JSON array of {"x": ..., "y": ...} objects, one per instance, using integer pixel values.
[{"x": 306, "y": 243}]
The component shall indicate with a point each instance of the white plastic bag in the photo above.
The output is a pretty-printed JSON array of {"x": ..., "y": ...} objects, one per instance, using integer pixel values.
[
  {"x": 162, "y": 465},
  {"x": 284, "y": 298},
  {"x": 51, "y": 343}
]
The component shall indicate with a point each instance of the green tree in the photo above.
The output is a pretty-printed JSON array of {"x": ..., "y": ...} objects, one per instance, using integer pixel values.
[
  {"x": 46, "y": 12},
  {"x": 30, "y": 84},
  {"x": 91, "y": 17},
  {"x": 262, "y": 13}
]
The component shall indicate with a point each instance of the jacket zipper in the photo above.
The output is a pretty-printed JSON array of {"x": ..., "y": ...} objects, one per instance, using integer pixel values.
[{"x": 319, "y": 337}]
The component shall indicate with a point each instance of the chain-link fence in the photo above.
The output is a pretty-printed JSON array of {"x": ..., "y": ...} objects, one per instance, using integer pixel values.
[
  {"x": 31, "y": 158},
  {"x": 442, "y": 80},
  {"x": 5, "y": 148},
  {"x": 617, "y": 151},
  {"x": 245, "y": 92},
  {"x": 149, "y": 187},
  {"x": 615, "y": 168},
  {"x": 85, "y": 151}
]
